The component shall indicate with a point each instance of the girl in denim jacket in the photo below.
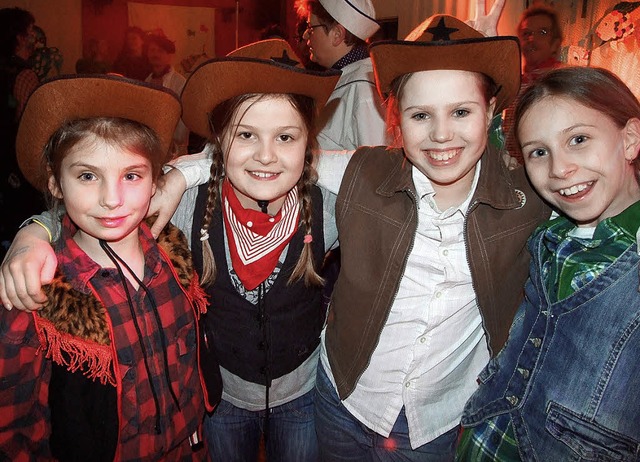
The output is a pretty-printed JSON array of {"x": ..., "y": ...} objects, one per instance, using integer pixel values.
[{"x": 565, "y": 385}]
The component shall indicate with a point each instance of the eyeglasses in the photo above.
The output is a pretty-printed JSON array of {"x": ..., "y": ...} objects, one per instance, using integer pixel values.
[
  {"x": 310, "y": 27},
  {"x": 528, "y": 33}
]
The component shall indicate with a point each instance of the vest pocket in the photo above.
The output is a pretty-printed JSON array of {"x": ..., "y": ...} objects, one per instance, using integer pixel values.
[{"x": 590, "y": 440}]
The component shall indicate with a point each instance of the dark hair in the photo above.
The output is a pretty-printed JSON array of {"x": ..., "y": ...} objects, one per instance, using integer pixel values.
[
  {"x": 14, "y": 22},
  {"x": 543, "y": 10},
  {"x": 122, "y": 133},
  {"x": 396, "y": 89},
  {"x": 595, "y": 88},
  {"x": 161, "y": 41},
  {"x": 220, "y": 120},
  {"x": 306, "y": 7}
]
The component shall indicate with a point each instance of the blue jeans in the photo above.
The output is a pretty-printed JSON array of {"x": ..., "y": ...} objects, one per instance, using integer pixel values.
[
  {"x": 343, "y": 438},
  {"x": 233, "y": 434}
]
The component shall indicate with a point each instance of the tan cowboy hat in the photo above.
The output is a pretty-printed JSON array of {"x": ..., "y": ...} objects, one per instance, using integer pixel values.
[
  {"x": 68, "y": 98},
  {"x": 445, "y": 42},
  {"x": 268, "y": 66}
]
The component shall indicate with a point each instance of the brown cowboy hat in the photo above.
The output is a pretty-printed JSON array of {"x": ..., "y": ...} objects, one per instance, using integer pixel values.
[
  {"x": 268, "y": 66},
  {"x": 68, "y": 98},
  {"x": 445, "y": 42}
]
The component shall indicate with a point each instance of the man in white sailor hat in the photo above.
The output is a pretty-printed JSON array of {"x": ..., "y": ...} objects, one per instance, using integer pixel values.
[{"x": 337, "y": 31}]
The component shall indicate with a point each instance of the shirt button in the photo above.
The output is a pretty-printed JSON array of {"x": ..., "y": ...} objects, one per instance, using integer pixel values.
[
  {"x": 249, "y": 224},
  {"x": 407, "y": 384},
  {"x": 536, "y": 342},
  {"x": 445, "y": 252},
  {"x": 524, "y": 373},
  {"x": 438, "y": 294},
  {"x": 271, "y": 220},
  {"x": 422, "y": 339},
  {"x": 513, "y": 400}
]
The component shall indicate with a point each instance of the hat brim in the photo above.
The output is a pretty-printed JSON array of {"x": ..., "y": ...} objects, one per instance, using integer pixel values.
[
  {"x": 496, "y": 57},
  {"x": 64, "y": 99},
  {"x": 218, "y": 80}
]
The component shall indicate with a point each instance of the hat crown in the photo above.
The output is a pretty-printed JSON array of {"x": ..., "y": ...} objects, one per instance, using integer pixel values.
[
  {"x": 274, "y": 50},
  {"x": 357, "y": 16},
  {"x": 442, "y": 28}
]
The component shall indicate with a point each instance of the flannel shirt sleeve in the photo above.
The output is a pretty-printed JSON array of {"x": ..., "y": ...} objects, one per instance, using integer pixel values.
[{"x": 24, "y": 375}]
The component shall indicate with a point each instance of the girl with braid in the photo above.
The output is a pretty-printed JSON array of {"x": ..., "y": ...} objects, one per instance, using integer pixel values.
[{"x": 257, "y": 237}]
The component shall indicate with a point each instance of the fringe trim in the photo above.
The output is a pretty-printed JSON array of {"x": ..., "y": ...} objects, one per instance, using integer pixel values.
[
  {"x": 94, "y": 360},
  {"x": 198, "y": 295}
]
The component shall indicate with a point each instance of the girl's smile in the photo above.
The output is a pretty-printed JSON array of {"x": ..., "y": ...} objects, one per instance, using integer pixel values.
[
  {"x": 579, "y": 160},
  {"x": 265, "y": 148}
]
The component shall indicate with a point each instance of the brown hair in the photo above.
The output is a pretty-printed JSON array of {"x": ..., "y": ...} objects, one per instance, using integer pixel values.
[
  {"x": 123, "y": 133},
  {"x": 396, "y": 89},
  {"x": 595, "y": 88},
  {"x": 220, "y": 120},
  {"x": 306, "y": 7}
]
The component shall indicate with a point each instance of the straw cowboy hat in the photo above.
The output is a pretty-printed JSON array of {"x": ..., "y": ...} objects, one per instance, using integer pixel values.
[
  {"x": 268, "y": 66},
  {"x": 68, "y": 98},
  {"x": 445, "y": 42}
]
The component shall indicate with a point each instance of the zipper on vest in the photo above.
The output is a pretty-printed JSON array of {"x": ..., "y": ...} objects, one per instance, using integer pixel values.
[
  {"x": 472, "y": 206},
  {"x": 414, "y": 199}
]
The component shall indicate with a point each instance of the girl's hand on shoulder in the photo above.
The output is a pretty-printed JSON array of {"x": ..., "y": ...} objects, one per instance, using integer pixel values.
[
  {"x": 30, "y": 263},
  {"x": 171, "y": 186},
  {"x": 487, "y": 23}
]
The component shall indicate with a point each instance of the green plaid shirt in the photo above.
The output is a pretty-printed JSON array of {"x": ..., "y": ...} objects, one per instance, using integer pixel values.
[{"x": 569, "y": 263}]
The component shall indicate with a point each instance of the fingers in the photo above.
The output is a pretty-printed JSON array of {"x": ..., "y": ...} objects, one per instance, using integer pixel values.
[
  {"x": 29, "y": 263},
  {"x": 496, "y": 9},
  {"x": 160, "y": 223},
  {"x": 20, "y": 286}
]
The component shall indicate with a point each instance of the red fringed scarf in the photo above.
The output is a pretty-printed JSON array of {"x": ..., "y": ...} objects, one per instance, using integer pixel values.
[{"x": 256, "y": 239}]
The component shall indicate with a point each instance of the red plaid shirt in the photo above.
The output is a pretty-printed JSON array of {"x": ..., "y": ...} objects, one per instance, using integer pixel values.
[{"x": 24, "y": 372}]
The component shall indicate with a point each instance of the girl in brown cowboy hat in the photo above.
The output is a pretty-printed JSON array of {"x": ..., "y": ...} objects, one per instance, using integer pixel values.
[
  {"x": 259, "y": 237},
  {"x": 433, "y": 234},
  {"x": 107, "y": 369}
]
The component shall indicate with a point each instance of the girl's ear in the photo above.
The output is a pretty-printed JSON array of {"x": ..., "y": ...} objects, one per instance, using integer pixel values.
[
  {"x": 54, "y": 187},
  {"x": 632, "y": 139}
]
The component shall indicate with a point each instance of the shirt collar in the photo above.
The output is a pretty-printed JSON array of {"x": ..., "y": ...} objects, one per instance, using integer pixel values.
[
  {"x": 79, "y": 268},
  {"x": 357, "y": 53},
  {"x": 424, "y": 189},
  {"x": 625, "y": 222}
]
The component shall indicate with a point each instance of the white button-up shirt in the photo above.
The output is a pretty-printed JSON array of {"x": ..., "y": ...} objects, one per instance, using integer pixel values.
[{"x": 433, "y": 345}]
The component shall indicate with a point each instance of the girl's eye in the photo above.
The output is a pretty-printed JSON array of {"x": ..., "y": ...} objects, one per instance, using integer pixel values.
[
  {"x": 285, "y": 138},
  {"x": 420, "y": 116},
  {"x": 87, "y": 176},
  {"x": 244, "y": 135},
  {"x": 578, "y": 139},
  {"x": 461, "y": 112},
  {"x": 131, "y": 176},
  {"x": 537, "y": 153}
]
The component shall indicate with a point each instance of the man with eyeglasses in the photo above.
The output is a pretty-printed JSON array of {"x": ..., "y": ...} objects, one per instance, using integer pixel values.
[
  {"x": 336, "y": 33},
  {"x": 540, "y": 36}
]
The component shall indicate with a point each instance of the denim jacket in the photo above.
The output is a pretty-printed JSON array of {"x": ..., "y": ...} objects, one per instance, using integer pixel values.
[{"x": 569, "y": 375}]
